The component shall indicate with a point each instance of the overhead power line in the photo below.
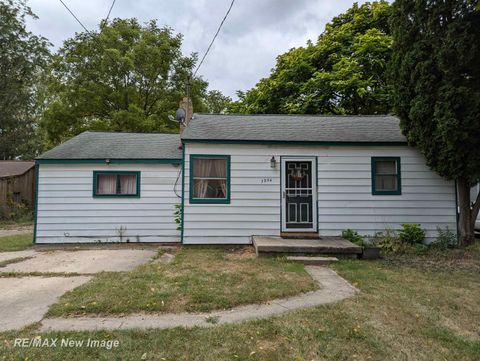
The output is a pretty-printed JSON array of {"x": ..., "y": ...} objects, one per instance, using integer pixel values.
[
  {"x": 110, "y": 10},
  {"x": 89, "y": 32},
  {"x": 214, "y": 37},
  {"x": 78, "y": 20}
]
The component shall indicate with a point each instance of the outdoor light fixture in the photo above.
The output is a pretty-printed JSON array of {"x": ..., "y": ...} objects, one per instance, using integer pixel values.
[
  {"x": 107, "y": 161},
  {"x": 273, "y": 162}
]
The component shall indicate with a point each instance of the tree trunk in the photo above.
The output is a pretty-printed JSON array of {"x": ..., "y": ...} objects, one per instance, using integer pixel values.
[{"x": 465, "y": 221}]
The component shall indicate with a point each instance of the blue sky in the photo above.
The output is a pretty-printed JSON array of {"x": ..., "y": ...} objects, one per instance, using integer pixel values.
[{"x": 245, "y": 50}]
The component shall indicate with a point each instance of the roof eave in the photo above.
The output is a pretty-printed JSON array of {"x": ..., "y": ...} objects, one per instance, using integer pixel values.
[{"x": 109, "y": 161}]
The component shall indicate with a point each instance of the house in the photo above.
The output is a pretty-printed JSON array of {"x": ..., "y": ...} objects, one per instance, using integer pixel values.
[
  {"x": 17, "y": 187},
  {"x": 235, "y": 176}
]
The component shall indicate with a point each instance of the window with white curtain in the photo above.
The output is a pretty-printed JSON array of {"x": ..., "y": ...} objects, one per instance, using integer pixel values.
[
  {"x": 118, "y": 184},
  {"x": 210, "y": 177}
]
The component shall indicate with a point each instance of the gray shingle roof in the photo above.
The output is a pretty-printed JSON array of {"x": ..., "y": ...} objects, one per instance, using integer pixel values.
[
  {"x": 295, "y": 128},
  {"x": 102, "y": 145}
]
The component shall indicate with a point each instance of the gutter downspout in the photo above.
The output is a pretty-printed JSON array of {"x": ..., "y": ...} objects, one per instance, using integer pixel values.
[
  {"x": 35, "y": 215},
  {"x": 183, "y": 192}
]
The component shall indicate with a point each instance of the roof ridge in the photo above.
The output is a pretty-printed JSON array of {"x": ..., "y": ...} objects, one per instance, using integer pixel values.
[
  {"x": 122, "y": 132},
  {"x": 300, "y": 115},
  {"x": 291, "y": 127}
]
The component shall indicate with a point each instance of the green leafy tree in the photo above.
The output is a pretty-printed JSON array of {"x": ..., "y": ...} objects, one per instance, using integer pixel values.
[
  {"x": 436, "y": 77},
  {"x": 344, "y": 72},
  {"x": 22, "y": 57},
  {"x": 125, "y": 77},
  {"x": 216, "y": 102}
]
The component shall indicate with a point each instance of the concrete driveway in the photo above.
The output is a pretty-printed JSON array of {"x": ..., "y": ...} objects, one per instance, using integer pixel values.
[
  {"x": 84, "y": 261},
  {"x": 24, "y": 299}
]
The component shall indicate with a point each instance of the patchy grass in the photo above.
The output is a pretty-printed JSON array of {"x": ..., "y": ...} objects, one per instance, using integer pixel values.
[
  {"x": 197, "y": 280},
  {"x": 16, "y": 243},
  {"x": 404, "y": 312},
  {"x": 21, "y": 223}
]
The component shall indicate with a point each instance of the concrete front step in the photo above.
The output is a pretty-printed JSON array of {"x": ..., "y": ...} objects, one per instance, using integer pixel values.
[
  {"x": 325, "y": 246},
  {"x": 317, "y": 261}
]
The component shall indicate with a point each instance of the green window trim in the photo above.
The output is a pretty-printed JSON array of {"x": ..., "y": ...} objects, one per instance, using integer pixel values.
[
  {"x": 118, "y": 172},
  {"x": 208, "y": 200},
  {"x": 398, "y": 191}
]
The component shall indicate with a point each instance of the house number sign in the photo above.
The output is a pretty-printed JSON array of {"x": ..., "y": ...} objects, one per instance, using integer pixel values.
[{"x": 266, "y": 180}]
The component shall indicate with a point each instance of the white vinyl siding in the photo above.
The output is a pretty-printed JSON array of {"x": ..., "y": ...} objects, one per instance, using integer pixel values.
[
  {"x": 344, "y": 188},
  {"x": 68, "y": 212}
]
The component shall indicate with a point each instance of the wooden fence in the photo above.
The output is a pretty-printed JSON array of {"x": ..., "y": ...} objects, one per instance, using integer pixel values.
[{"x": 17, "y": 194}]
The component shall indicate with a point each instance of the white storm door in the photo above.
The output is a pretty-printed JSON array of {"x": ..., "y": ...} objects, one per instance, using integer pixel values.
[{"x": 299, "y": 194}]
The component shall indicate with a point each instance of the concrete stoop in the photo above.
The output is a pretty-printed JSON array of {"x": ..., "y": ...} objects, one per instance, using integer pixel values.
[
  {"x": 312, "y": 260},
  {"x": 323, "y": 247}
]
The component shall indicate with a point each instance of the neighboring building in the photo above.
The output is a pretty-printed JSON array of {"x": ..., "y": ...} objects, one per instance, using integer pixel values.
[
  {"x": 239, "y": 176},
  {"x": 474, "y": 191},
  {"x": 17, "y": 187}
]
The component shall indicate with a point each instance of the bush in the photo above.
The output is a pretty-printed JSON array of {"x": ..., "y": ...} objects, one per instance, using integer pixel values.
[
  {"x": 445, "y": 239},
  {"x": 178, "y": 216},
  {"x": 389, "y": 242},
  {"x": 412, "y": 234},
  {"x": 352, "y": 236},
  {"x": 15, "y": 211}
]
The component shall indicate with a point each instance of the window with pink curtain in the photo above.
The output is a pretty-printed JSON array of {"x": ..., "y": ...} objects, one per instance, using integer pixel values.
[
  {"x": 120, "y": 184},
  {"x": 106, "y": 184},
  {"x": 128, "y": 183},
  {"x": 209, "y": 177}
]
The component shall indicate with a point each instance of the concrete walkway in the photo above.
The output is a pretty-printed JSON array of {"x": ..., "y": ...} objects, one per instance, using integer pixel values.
[
  {"x": 6, "y": 256},
  {"x": 333, "y": 288}
]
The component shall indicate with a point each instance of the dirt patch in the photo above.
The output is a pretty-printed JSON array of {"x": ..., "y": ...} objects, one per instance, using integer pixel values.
[
  {"x": 242, "y": 253},
  {"x": 165, "y": 258},
  {"x": 266, "y": 345}
]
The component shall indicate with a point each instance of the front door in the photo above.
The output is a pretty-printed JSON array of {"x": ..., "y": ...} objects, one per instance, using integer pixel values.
[{"x": 299, "y": 194}]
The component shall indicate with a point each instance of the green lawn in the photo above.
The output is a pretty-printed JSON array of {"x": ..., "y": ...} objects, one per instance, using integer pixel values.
[
  {"x": 15, "y": 243},
  {"x": 199, "y": 279},
  {"x": 409, "y": 308}
]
